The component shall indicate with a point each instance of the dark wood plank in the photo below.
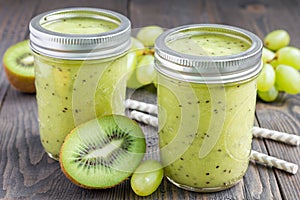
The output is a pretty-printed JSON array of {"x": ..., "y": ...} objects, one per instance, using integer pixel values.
[
  {"x": 283, "y": 115},
  {"x": 167, "y": 13},
  {"x": 15, "y": 110},
  {"x": 260, "y": 17},
  {"x": 116, "y": 5},
  {"x": 13, "y": 28},
  {"x": 260, "y": 182},
  {"x": 21, "y": 149},
  {"x": 27, "y": 172}
]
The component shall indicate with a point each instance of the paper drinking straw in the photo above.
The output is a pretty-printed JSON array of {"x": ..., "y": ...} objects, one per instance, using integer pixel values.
[
  {"x": 141, "y": 106},
  {"x": 274, "y": 162},
  {"x": 256, "y": 131},
  {"x": 142, "y": 117},
  {"x": 276, "y": 135}
]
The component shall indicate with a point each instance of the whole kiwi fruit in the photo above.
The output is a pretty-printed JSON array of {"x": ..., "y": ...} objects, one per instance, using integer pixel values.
[
  {"x": 103, "y": 152},
  {"x": 18, "y": 63}
]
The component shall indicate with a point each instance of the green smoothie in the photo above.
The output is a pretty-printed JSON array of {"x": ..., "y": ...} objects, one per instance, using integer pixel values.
[
  {"x": 205, "y": 129},
  {"x": 80, "y": 26},
  {"x": 211, "y": 44},
  {"x": 72, "y": 90}
]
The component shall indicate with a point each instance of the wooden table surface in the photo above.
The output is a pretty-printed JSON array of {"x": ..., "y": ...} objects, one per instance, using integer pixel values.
[{"x": 26, "y": 172}]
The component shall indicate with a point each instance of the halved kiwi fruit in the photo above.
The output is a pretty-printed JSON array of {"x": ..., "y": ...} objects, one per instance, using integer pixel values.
[
  {"x": 18, "y": 63},
  {"x": 103, "y": 152}
]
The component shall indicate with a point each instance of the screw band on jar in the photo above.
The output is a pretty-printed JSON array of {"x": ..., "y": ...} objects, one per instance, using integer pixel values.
[
  {"x": 105, "y": 43},
  {"x": 210, "y": 67}
]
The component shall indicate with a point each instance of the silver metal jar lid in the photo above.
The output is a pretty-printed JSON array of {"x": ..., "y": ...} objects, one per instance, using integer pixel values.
[
  {"x": 203, "y": 68},
  {"x": 80, "y": 46}
]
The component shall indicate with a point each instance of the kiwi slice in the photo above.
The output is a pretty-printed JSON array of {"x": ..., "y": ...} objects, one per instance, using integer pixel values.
[
  {"x": 18, "y": 62},
  {"x": 103, "y": 152}
]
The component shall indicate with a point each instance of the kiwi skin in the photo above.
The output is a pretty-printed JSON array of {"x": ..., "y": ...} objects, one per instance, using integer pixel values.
[
  {"x": 71, "y": 178},
  {"x": 19, "y": 81},
  {"x": 85, "y": 186},
  {"x": 65, "y": 171}
]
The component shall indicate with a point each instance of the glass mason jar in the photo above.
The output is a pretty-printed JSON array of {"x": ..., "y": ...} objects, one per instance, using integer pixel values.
[
  {"x": 206, "y": 100},
  {"x": 80, "y": 69}
]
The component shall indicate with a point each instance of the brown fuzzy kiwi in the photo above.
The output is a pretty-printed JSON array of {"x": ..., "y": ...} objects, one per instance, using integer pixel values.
[
  {"x": 103, "y": 152},
  {"x": 18, "y": 63}
]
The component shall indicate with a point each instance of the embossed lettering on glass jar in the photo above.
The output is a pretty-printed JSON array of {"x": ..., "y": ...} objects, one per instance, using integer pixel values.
[
  {"x": 206, "y": 99},
  {"x": 80, "y": 69}
]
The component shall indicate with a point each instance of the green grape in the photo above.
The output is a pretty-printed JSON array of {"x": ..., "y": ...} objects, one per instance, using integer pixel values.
[
  {"x": 274, "y": 63},
  {"x": 267, "y": 55},
  {"x": 132, "y": 61},
  {"x": 148, "y": 34},
  {"x": 269, "y": 95},
  {"x": 266, "y": 78},
  {"x": 289, "y": 56},
  {"x": 147, "y": 178},
  {"x": 136, "y": 44},
  {"x": 287, "y": 79},
  {"x": 155, "y": 82},
  {"x": 277, "y": 39},
  {"x": 145, "y": 72}
]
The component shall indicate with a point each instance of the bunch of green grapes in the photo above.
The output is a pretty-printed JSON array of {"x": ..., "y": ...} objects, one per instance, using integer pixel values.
[
  {"x": 280, "y": 67},
  {"x": 140, "y": 59}
]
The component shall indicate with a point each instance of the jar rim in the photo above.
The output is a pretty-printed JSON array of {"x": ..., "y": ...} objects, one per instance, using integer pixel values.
[
  {"x": 80, "y": 46},
  {"x": 203, "y": 68}
]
